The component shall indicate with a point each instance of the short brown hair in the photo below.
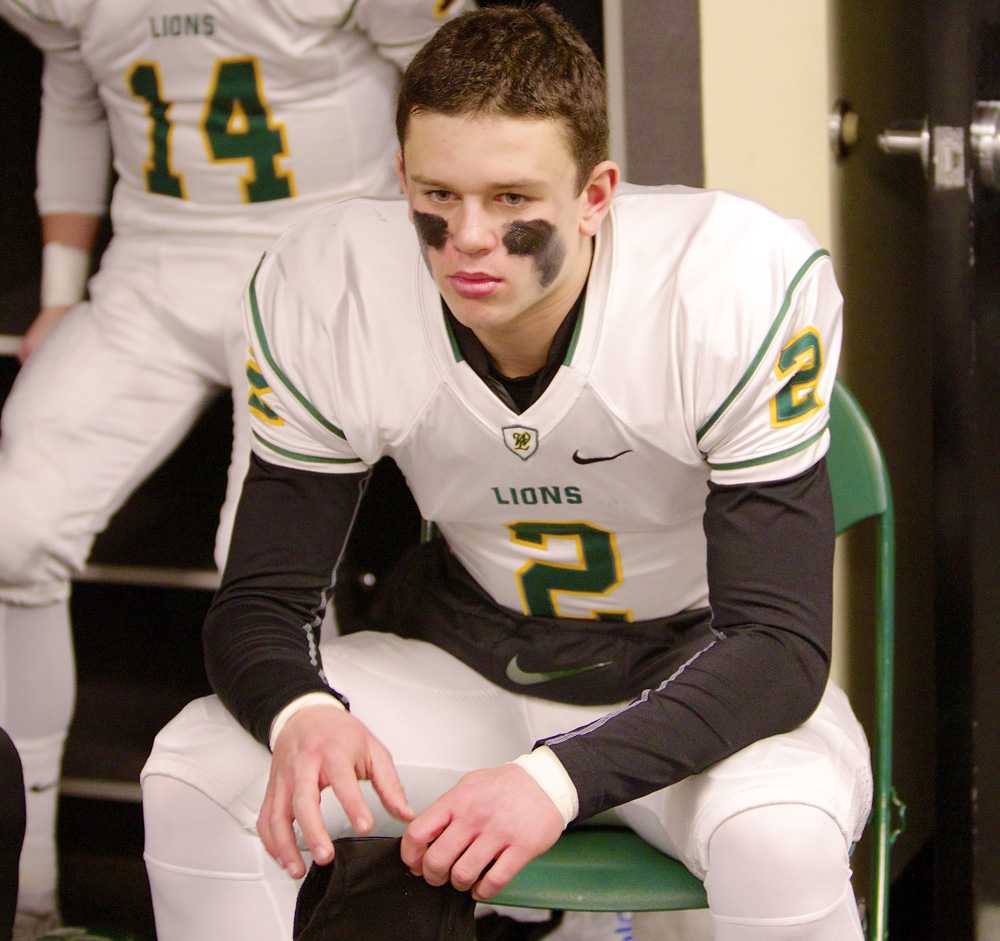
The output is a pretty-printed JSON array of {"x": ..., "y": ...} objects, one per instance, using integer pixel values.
[{"x": 526, "y": 63}]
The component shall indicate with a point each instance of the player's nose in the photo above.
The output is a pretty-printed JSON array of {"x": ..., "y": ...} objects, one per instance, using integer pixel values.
[{"x": 473, "y": 232}]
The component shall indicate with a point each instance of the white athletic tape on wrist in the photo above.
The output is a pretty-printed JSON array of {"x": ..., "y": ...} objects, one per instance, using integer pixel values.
[
  {"x": 64, "y": 274},
  {"x": 550, "y": 775},
  {"x": 296, "y": 705}
]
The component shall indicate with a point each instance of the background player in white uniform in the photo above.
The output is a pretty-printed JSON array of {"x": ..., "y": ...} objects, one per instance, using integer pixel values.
[
  {"x": 614, "y": 408},
  {"x": 226, "y": 121}
]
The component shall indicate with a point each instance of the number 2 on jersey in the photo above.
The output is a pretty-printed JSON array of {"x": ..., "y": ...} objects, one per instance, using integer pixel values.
[
  {"x": 596, "y": 572},
  {"x": 237, "y": 125},
  {"x": 799, "y": 366}
]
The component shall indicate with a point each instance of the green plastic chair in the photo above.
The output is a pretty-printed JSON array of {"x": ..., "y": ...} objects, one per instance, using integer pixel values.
[{"x": 603, "y": 869}]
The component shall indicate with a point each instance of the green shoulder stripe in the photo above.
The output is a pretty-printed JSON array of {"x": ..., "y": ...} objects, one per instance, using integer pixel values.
[
  {"x": 308, "y": 458},
  {"x": 573, "y": 340},
  {"x": 771, "y": 458},
  {"x": 762, "y": 351},
  {"x": 266, "y": 350}
]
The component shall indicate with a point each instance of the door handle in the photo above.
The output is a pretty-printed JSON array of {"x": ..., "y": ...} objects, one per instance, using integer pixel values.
[
  {"x": 984, "y": 138},
  {"x": 942, "y": 149},
  {"x": 907, "y": 137}
]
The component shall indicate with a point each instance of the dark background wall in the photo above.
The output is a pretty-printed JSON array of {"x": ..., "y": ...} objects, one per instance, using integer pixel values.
[{"x": 20, "y": 70}]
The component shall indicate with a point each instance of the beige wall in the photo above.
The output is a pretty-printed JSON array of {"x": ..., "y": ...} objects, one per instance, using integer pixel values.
[
  {"x": 766, "y": 90},
  {"x": 771, "y": 70}
]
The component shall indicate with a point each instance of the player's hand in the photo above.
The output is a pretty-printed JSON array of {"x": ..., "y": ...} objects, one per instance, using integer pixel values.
[
  {"x": 47, "y": 318},
  {"x": 497, "y": 816},
  {"x": 322, "y": 746}
]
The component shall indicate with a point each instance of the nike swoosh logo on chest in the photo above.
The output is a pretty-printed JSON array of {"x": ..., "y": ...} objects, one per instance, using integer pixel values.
[{"x": 594, "y": 460}]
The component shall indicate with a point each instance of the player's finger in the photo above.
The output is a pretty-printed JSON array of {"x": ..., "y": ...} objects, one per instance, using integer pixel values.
[
  {"x": 277, "y": 824},
  {"x": 305, "y": 806},
  {"x": 274, "y": 793},
  {"x": 263, "y": 818},
  {"x": 442, "y": 854},
  {"x": 26, "y": 347},
  {"x": 385, "y": 780},
  {"x": 421, "y": 831},
  {"x": 508, "y": 864},
  {"x": 344, "y": 783},
  {"x": 469, "y": 867}
]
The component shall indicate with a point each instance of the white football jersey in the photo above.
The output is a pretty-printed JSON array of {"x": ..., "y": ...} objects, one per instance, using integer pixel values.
[
  {"x": 227, "y": 114},
  {"x": 706, "y": 348}
]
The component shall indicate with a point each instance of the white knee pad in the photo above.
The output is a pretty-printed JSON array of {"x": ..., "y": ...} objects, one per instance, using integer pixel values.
[
  {"x": 210, "y": 878},
  {"x": 34, "y": 568},
  {"x": 781, "y": 873}
]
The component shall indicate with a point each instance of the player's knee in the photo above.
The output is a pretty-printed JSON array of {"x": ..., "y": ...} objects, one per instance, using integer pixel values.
[
  {"x": 186, "y": 828},
  {"x": 780, "y": 861},
  {"x": 35, "y": 568},
  {"x": 209, "y": 877}
]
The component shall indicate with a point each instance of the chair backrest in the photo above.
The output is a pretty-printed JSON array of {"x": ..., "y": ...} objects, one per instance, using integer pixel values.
[
  {"x": 858, "y": 477},
  {"x": 861, "y": 490}
]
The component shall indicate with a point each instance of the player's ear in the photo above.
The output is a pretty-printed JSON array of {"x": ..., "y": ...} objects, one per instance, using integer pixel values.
[
  {"x": 597, "y": 194},
  {"x": 401, "y": 171}
]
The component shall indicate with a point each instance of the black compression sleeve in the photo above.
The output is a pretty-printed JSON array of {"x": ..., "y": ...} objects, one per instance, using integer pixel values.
[
  {"x": 261, "y": 634},
  {"x": 770, "y": 563}
]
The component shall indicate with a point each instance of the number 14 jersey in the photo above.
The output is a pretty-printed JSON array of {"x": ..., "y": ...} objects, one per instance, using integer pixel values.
[
  {"x": 706, "y": 348},
  {"x": 220, "y": 112}
]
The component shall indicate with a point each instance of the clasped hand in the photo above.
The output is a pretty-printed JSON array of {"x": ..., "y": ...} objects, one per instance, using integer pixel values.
[{"x": 477, "y": 835}]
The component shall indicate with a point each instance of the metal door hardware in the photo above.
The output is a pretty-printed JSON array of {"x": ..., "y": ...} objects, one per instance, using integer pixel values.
[
  {"x": 843, "y": 128},
  {"x": 984, "y": 138},
  {"x": 942, "y": 149},
  {"x": 907, "y": 137}
]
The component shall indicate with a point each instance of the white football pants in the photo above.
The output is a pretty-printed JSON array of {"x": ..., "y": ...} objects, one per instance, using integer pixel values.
[
  {"x": 108, "y": 395},
  {"x": 205, "y": 779}
]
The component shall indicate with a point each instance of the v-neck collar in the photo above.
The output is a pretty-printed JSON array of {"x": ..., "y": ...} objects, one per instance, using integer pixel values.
[{"x": 474, "y": 353}]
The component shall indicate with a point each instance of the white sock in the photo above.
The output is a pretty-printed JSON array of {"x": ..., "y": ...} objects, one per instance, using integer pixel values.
[
  {"x": 40, "y": 686},
  {"x": 38, "y": 881}
]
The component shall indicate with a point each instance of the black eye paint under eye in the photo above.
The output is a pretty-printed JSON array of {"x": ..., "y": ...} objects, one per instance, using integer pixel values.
[
  {"x": 537, "y": 238},
  {"x": 432, "y": 230}
]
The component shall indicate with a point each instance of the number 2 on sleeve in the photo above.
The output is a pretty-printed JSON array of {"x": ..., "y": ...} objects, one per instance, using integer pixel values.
[{"x": 799, "y": 365}]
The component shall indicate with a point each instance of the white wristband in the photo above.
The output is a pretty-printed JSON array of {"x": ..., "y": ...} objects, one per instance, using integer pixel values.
[
  {"x": 64, "y": 274},
  {"x": 296, "y": 705},
  {"x": 552, "y": 777}
]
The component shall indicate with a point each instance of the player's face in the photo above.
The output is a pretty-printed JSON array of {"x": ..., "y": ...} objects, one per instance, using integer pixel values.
[{"x": 505, "y": 233}]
